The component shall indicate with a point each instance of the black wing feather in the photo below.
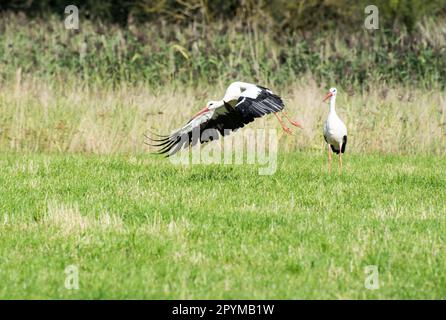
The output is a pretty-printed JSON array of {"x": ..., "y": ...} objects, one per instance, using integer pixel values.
[
  {"x": 222, "y": 124},
  {"x": 266, "y": 102}
]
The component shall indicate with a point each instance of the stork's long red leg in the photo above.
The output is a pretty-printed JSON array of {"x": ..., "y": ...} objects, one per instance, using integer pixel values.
[
  {"x": 284, "y": 127},
  {"x": 294, "y": 123},
  {"x": 329, "y": 158},
  {"x": 340, "y": 159}
]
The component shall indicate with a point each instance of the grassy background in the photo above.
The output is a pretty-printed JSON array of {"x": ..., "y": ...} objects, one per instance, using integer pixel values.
[
  {"x": 139, "y": 228},
  {"x": 78, "y": 187},
  {"x": 99, "y": 88}
]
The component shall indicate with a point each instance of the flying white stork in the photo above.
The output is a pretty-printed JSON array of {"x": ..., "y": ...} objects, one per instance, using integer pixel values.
[
  {"x": 241, "y": 104},
  {"x": 335, "y": 131}
]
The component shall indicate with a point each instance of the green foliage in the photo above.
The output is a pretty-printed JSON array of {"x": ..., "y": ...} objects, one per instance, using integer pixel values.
[
  {"x": 157, "y": 53},
  {"x": 284, "y": 14}
]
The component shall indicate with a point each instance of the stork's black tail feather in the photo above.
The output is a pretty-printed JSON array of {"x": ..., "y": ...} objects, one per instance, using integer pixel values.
[
  {"x": 334, "y": 150},
  {"x": 344, "y": 143}
]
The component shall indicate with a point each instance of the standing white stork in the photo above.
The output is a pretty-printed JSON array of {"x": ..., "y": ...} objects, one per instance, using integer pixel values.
[
  {"x": 335, "y": 131},
  {"x": 241, "y": 104}
]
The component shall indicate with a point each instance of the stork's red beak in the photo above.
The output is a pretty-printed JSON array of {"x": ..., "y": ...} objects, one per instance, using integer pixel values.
[
  {"x": 327, "y": 96},
  {"x": 205, "y": 109}
]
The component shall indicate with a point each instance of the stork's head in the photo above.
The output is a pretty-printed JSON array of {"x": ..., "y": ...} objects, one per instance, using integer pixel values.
[
  {"x": 211, "y": 105},
  {"x": 331, "y": 94}
]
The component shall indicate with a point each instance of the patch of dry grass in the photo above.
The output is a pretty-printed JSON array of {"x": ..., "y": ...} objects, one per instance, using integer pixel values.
[
  {"x": 68, "y": 117},
  {"x": 69, "y": 219}
]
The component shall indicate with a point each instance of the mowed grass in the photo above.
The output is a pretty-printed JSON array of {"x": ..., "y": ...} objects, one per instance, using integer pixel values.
[{"x": 140, "y": 227}]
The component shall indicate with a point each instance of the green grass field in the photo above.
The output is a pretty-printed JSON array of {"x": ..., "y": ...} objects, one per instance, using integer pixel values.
[{"x": 140, "y": 227}]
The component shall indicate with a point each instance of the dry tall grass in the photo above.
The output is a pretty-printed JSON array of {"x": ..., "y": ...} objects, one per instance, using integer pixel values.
[{"x": 68, "y": 117}]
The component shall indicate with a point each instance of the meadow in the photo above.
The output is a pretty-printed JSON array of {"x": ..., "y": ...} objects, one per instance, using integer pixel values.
[
  {"x": 138, "y": 227},
  {"x": 80, "y": 188}
]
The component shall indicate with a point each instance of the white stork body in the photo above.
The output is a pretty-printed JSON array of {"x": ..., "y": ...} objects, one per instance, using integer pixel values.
[
  {"x": 241, "y": 104},
  {"x": 243, "y": 89},
  {"x": 335, "y": 131}
]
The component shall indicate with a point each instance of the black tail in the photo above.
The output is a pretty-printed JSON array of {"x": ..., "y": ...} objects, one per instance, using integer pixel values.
[{"x": 344, "y": 143}]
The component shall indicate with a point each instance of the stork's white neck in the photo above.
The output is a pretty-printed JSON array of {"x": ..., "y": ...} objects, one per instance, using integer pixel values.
[
  {"x": 332, "y": 105},
  {"x": 218, "y": 104}
]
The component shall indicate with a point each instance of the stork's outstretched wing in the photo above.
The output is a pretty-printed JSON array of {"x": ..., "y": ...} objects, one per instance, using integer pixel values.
[
  {"x": 206, "y": 127},
  {"x": 253, "y": 103}
]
